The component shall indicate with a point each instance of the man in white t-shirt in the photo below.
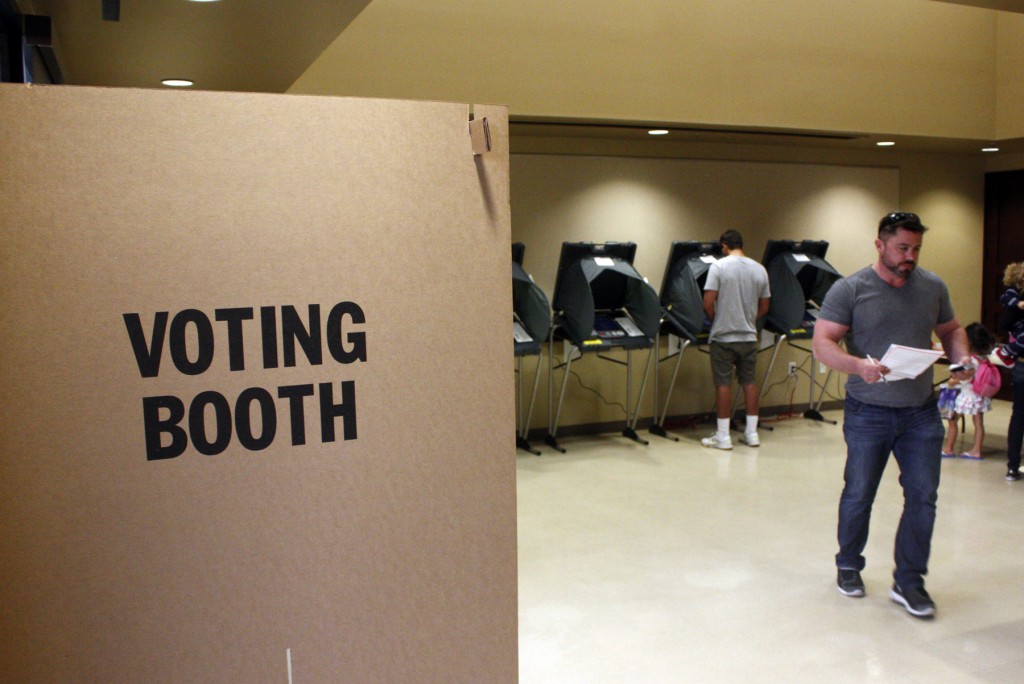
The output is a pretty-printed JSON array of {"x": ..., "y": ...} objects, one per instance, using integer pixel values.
[{"x": 736, "y": 294}]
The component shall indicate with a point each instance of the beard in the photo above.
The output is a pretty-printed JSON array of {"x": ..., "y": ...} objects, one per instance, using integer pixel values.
[{"x": 900, "y": 269}]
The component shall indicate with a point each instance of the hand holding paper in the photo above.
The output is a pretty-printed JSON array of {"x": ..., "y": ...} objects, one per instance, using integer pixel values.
[{"x": 905, "y": 363}]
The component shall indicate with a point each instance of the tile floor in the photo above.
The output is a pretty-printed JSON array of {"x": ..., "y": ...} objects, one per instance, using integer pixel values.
[{"x": 676, "y": 563}]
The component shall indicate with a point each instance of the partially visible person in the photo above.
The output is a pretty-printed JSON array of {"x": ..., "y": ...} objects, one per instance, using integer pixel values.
[
  {"x": 1015, "y": 432},
  {"x": 1013, "y": 315},
  {"x": 890, "y": 301},
  {"x": 968, "y": 402},
  {"x": 736, "y": 294}
]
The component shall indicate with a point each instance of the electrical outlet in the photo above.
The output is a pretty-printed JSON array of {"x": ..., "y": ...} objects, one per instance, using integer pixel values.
[{"x": 792, "y": 367}]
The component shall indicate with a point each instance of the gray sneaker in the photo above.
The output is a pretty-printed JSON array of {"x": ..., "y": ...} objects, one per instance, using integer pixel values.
[
  {"x": 751, "y": 439},
  {"x": 917, "y": 601},
  {"x": 850, "y": 583}
]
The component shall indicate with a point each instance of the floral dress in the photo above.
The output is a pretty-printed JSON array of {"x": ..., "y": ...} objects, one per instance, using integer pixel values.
[
  {"x": 947, "y": 400},
  {"x": 968, "y": 402}
]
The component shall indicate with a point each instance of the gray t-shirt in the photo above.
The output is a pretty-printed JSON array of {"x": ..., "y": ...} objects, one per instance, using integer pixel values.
[
  {"x": 740, "y": 282},
  {"x": 878, "y": 315}
]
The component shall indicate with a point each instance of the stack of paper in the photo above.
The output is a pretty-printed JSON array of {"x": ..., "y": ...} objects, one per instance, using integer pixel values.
[{"x": 905, "y": 363}]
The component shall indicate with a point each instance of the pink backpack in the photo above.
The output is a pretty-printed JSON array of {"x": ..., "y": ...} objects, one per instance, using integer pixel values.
[{"x": 987, "y": 380}]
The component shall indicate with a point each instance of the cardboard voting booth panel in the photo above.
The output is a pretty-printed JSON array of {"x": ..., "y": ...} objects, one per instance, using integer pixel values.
[{"x": 245, "y": 341}]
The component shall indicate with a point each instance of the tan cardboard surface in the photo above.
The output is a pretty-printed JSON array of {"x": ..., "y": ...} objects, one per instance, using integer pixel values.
[{"x": 387, "y": 554}]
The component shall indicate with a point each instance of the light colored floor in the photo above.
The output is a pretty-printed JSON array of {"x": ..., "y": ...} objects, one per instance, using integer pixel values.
[{"x": 675, "y": 563}]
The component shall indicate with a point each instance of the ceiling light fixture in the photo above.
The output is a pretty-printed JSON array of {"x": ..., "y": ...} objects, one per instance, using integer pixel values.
[
  {"x": 989, "y": 149},
  {"x": 177, "y": 82},
  {"x": 657, "y": 131},
  {"x": 885, "y": 143}
]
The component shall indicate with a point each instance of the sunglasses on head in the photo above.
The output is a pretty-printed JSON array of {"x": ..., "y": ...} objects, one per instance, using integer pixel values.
[{"x": 900, "y": 217}]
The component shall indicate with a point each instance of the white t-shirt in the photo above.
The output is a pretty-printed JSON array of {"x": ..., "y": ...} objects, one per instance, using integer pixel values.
[{"x": 740, "y": 282}]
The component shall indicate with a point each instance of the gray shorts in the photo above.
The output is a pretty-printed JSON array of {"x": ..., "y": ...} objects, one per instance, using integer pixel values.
[{"x": 739, "y": 355}]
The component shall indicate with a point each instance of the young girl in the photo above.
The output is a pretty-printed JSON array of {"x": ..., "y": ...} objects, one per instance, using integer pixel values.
[{"x": 969, "y": 403}]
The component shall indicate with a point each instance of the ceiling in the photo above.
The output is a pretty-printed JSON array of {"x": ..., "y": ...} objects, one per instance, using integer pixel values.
[
  {"x": 252, "y": 46},
  {"x": 265, "y": 45}
]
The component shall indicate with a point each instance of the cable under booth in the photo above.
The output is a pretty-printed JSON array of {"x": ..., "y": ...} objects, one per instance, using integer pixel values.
[
  {"x": 531, "y": 326},
  {"x": 799, "y": 278},
  {"x": 684, "y": 321},
  {"x": 601, "y": 304}
]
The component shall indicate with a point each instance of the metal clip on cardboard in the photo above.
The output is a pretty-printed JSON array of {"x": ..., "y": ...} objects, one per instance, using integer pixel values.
[{"x": 480, "y": 135}]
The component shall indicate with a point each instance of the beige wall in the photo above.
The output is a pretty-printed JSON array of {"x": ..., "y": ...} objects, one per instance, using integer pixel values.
[
  {"x": 1010, "y": 74},
  {"x": 895, "y": 66}
]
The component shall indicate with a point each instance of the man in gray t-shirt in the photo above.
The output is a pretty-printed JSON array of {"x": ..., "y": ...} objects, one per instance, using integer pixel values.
[
  {"x": 736, "y": 294},
  {"x": 890, "y": 302}
]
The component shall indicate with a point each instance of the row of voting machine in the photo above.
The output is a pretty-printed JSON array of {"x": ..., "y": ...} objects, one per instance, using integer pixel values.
[{"x": 602, "y": 305}]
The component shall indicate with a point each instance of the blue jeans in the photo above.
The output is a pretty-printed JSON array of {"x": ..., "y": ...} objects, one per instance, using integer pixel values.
[{"x": 914, "y": 436}]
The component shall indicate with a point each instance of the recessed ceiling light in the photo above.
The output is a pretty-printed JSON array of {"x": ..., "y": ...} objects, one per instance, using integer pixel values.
[
  {"x": 657, "y": 131},
  {"x": 989, "y": 149},
  {"x": 177, "y": 82},
  {"x": 885, "y": 143}
]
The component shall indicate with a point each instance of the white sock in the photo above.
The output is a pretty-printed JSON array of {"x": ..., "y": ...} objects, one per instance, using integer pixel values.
[
  {"x": 751, "y": 424},
  {"x": 723, "y": 428}
]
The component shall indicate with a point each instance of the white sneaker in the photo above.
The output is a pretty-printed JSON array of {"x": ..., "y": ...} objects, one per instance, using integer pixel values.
[
  {"x": 716, "y": 442},
  {"x": 751, "y": 439}
]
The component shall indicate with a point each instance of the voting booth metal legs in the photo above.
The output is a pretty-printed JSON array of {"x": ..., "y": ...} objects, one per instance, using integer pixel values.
[
  {"x": 632, "y": 408},
  {"x": 658, "y": 428},
  {"x": 813, "y": 411},
  {"x": 524, "y": 416}
]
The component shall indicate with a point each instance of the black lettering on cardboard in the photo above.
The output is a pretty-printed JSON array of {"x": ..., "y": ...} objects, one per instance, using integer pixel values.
[
  {"x": 329, "y": 410},
  {"x": 292, "y": 331},
  {"x": 236, "y": 343},
  {"x": 222, "y": 421},
  {"x": 296, "y": 409},
  {"x": 243, "y": 418},
  {"x": 147, "y": 356},
  {"x": 268, "y": 326},
  {"x": 204, "y": 334},
  {"x": 155, "y": 427},
  {"x": 335, "y": 343}
]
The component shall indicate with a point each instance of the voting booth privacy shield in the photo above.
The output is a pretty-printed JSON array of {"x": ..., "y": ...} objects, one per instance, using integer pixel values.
[
  {"x": 682, "y": 302},
  {"x": 799, "y": 278},
  {"x": 531, "y": 325},
  {"x": 241, "y": 441},
  {"x": 531, "y": 311},
  {"x": 682, "y": 288},
  {"x": 601, "y": 303},
  {"x": 597, "y": 283}
]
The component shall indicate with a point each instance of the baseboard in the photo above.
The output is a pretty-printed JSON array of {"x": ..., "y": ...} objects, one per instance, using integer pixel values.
[{"x": 683, "y": 421}]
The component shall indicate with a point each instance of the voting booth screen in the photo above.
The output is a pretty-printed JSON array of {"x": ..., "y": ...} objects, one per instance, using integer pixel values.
[
  {"x": 595, "y": 287},
  {"x": 682, "y": 288},
  {"x": 799, "y": 278}
]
